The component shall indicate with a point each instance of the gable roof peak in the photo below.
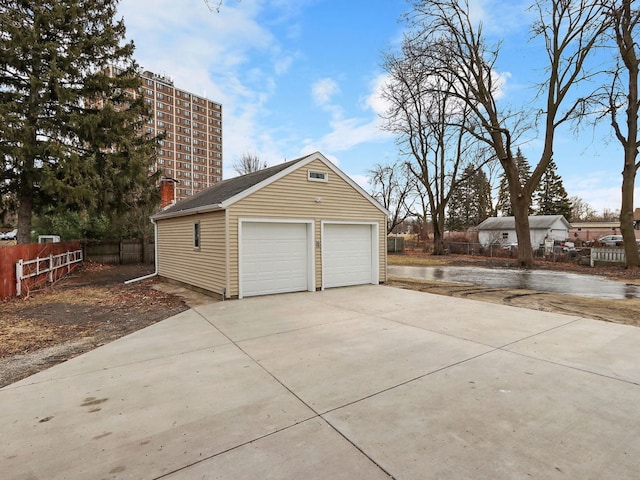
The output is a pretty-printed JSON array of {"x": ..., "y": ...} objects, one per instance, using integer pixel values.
[
  {"x": 227, "y": 192},
  {"x": 226, "y": 189}
]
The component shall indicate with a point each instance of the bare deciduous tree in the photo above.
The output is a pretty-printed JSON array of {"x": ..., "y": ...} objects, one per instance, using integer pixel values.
[
  {"x": 581, "y": 210},
  {"x": 214, "y": 5},
  {"x": 248, "y": 163},
  {"x": 569, "y": 29},
  {"x": 623, "y": 94},
  {"x": 432, "y": 127},
  {"x": 393, "y": 186}
]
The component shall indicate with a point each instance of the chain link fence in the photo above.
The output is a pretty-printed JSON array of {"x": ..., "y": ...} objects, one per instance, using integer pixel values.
[{"x": 557, "y": 253}]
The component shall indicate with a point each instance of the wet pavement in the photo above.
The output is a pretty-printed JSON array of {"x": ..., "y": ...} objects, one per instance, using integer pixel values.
[{"x": 590, "y": 286}]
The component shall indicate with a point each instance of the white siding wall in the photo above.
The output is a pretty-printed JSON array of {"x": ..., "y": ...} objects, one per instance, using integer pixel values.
[{"x": 486, "y": 237}]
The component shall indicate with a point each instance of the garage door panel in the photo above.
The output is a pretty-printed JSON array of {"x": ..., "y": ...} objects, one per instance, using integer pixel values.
[
  {"x": 347, "y": 255},
  {"x": 274, "y": 258}
]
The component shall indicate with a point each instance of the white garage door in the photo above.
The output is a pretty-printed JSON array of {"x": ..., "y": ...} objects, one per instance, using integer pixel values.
[
  {"x": 347, "y": 255},
  {"x": 273, "y": 258}
]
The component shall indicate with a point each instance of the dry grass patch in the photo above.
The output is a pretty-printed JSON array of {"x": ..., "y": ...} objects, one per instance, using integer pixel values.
[
  {"x": 24, "y": 335},
  {"x": 417, "y": 261}
]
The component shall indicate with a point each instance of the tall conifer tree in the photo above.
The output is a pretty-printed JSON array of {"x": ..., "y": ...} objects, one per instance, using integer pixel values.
[
  {"x": 69, "y": 130},
  {"x": 504, "y": 202},
  {"x": 470, "y": 203},
  {"x": 551, "y": 198}
]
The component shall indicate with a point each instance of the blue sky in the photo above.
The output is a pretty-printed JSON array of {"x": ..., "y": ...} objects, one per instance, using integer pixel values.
[{"x": 296, "y": 76}]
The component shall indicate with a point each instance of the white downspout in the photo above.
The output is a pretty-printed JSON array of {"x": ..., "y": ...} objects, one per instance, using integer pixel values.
[{"x": 155, "y": 259}]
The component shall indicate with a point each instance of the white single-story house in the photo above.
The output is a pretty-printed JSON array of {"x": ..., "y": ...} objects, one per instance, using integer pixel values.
[
  {"x": 502, "y": 230},
  {"x": 302, "y": 225}
]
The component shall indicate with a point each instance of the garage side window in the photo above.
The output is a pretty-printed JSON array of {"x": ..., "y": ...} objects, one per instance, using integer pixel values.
[{"x": 196, "y": 236}]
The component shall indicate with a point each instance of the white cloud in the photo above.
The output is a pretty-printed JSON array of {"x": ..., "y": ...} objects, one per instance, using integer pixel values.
[
  {"x": 347, "y": 133},
  {"x": 282, "y": 65},
  {"x": 236, "y": 57},
  {"x": 231, "y": 57},
  {"x": 500, "y": 18},
  {"x": 375, "y": 100},
  {"x": 600, "y": 189},
  {"x": 500, "y": 83},
  {"x": 361, "y": 180},
  {"x": 323, "y": 90}
]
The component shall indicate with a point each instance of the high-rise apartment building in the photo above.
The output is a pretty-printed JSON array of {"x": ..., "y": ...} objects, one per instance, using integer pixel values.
[{"x": 191, "y": 151}]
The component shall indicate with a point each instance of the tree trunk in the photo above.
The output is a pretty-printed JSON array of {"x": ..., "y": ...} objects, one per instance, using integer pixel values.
[
  {"x": 626, "y": 213},
  {"x": 628, "y": 51},
  {"x": 425, "y": 243},
  {"x": 520, "y": 207},
  {"x": 520, "y": 202},
  {"x": 438, "y": 241},
  {"x": 438, "y": 231},
  {"x": 25, "y": 209}
]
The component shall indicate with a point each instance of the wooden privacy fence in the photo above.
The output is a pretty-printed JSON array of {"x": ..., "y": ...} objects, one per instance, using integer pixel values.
[
  {"x": 119, "y": 252},
  {"x": 11, "y": 255},
  {"x": 395, "y": 244}
]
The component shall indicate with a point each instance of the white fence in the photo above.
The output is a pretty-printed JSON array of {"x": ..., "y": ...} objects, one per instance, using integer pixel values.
[
  {"x": 609, "y": 255},
  {"x": 45, "y": 265}
]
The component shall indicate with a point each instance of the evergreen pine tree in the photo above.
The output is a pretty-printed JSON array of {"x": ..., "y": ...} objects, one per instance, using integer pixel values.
[
  {"x": 551, "y": 198},
  {"x": 503, "y": 205},
  {"x": 482, "y": 189},
  {"x": 69, "y": 130},
  {"x": 458, "y": 207},
  {"x": 470, "y": 203}
]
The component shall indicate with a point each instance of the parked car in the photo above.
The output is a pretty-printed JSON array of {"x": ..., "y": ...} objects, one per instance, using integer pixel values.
[
  {"x": 9, "y": 235},
  {"x": 611, "y": 240}
]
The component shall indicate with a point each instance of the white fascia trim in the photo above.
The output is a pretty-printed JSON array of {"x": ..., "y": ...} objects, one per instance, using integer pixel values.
[{"x": 191, "y": 211}]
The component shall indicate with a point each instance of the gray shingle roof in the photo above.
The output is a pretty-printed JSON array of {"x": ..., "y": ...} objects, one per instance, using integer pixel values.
[
  {"x": 227, "y": 189},
  {"x": 536, "y": 222}
]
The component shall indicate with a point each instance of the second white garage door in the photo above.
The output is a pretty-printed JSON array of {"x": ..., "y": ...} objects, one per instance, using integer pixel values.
[
  {"x": 347, "y": 254},
  {"x": 274, "y": 258}
]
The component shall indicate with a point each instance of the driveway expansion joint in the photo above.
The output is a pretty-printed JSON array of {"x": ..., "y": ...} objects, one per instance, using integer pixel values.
[{"x": 316, "y": 413}]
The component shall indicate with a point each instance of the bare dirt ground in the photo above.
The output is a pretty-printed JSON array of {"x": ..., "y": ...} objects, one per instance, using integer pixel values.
[
  {"x": 92, "y": 306},
  {"x": 87, "y": 308},
  {"x": 625, "y": 311}
]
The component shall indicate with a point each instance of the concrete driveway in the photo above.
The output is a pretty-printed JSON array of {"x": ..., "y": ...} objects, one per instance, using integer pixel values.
[{"x": 368, "y": 382}]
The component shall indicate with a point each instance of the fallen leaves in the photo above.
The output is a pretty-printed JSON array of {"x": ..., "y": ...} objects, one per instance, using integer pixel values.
[{"x": 71, "y": 310}]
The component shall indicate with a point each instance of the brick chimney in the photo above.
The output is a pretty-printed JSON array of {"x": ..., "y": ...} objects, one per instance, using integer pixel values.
[{"x": 167, "y": 192}]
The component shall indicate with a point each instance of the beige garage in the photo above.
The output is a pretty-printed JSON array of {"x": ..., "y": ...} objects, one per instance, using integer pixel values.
[{"x": 303, "y": 225}]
